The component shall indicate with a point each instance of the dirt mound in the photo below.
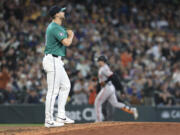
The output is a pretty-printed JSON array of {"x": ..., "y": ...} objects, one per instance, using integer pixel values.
[{"x": 104, "y": 128}]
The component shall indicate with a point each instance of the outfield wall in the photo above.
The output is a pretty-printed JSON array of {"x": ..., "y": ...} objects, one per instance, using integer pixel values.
[{"x": 35, "y": 114}]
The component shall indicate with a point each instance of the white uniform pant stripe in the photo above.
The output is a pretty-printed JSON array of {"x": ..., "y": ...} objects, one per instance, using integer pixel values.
[{"x": 53, "y": 88}]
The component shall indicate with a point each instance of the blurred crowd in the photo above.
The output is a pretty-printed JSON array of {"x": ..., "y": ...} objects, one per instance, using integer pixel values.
[{"x": 141, "y": 40}]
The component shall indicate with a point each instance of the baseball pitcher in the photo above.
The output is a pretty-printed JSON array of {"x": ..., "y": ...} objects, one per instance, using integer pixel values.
[{"x": 57, "y": 39}]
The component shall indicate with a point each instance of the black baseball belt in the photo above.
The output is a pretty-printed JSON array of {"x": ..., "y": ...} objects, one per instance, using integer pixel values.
[{"x": 52, "y": 55}]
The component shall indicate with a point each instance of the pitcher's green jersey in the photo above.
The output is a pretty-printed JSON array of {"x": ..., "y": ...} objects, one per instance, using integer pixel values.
[{"x": 54, "y": 35}]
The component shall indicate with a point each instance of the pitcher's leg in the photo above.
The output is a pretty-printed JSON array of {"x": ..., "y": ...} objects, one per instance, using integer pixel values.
[
  {"x": 48, "y": 114},
  {"x": 65, "y": 86},
  {"x": 53, "y": 81}
]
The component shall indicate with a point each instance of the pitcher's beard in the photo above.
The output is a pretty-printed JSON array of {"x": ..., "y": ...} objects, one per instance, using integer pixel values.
[{"x": 62, "y": 18}]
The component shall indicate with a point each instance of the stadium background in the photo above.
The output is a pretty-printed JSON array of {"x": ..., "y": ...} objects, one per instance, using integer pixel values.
[{"x": 140, "y": 38}]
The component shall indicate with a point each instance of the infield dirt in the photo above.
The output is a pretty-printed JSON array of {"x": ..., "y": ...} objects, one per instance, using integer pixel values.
[{"x": 104, "y": 128}]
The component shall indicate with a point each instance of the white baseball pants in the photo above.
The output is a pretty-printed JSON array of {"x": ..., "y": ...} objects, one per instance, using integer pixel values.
[
  {"x": 58, "y": 85},
  {"x": 106, "y": 93}
]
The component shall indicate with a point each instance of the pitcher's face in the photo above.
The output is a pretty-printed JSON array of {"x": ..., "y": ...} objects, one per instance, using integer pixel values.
[{"x": 60, "y": 15}]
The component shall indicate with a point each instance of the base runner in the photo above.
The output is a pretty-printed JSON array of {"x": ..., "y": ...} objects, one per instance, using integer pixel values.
[{"x": 107, "y": 92}]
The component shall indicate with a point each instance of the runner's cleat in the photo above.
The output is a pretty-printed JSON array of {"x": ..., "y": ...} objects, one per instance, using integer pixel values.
[{"x": 135, "y": 113}]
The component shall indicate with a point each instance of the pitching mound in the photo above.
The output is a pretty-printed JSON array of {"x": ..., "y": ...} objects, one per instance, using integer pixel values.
[{"x": 104, "y": 128}]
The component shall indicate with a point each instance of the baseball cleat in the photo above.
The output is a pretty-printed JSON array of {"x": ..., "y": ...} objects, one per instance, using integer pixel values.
[
  {"x": 50, "y": 124},
  {"x": 135, "y": 113},
  {"x": 65, "y": 120}
]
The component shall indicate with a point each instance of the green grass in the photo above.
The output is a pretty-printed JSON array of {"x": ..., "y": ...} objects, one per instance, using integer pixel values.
[{"x": 20, "y": 125}]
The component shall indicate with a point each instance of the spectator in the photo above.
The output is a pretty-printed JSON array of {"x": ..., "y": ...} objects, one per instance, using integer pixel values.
[
  {"x": 177, "y": 96},
  {"x": 92, "y": 90},
  {"x": 164, "y": 97},
  {"x": 134, "y": 94},
  {"x": 33, "y": 97},
  {"x": 148, "y": 92},
  {"x": 11, "y": 95},
  {"x": 176, "y": 75},
  {"x": 80, "y": 92},
  {"x": 126, "y": 58},
  {"x": 4, "y": 78},
  {"x": 83, "y": 67}
]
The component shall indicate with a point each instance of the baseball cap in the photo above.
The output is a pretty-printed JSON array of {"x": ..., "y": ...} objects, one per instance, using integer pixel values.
[
  {"x": 102, "y": 58},
  {"x": 55, "y": 9}
]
